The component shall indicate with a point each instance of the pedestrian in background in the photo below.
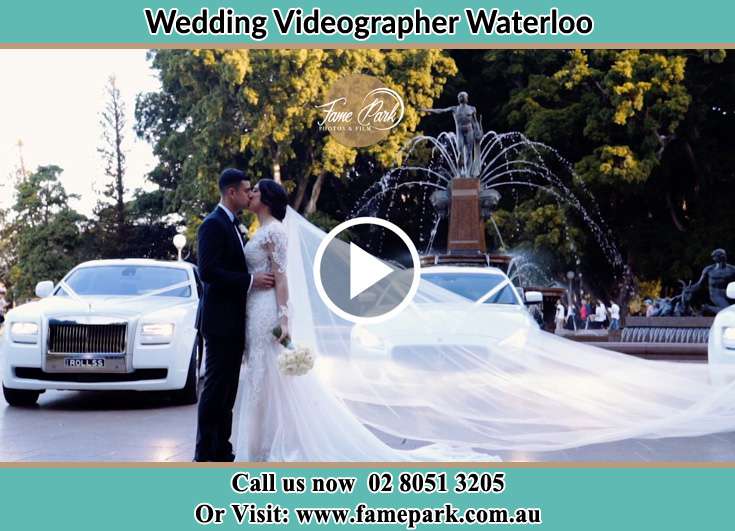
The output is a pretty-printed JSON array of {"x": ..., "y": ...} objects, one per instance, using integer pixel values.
[
  {"x": 614, "y": 316},
  {"x": 600, "y": 315},
  {"x": 559, "y": 317}
]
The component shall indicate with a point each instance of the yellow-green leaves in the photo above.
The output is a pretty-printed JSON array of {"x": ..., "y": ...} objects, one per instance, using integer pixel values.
[
  {"x": 621, "y": 163},
  {"x": 575, "y": 71},
  {"x": 257, "y": 109}
]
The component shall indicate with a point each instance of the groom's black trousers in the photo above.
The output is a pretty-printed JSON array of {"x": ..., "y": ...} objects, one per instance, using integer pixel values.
[{"x": 217, "y": 399}]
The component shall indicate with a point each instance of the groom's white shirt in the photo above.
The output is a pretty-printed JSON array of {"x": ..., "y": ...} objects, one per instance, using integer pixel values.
[{"x": 231, "y": 217}]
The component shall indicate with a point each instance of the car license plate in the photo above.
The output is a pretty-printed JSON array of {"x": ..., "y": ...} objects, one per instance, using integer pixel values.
[{"x": 84, "y": 363}]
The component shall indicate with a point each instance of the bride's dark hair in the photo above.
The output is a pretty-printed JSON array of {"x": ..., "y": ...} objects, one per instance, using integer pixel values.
[{"x": 274, "y": 196}]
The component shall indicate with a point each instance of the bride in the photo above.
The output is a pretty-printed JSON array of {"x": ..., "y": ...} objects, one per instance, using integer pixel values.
[
  {"x": 523, "y": 389},
  {"x": 288, "y": 418}
]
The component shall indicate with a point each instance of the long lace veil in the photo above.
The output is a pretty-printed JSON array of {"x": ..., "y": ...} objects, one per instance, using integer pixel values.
[{"x": 499, "y": 387}]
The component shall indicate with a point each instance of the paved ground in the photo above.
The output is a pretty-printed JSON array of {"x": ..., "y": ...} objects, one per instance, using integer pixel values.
[
  {"x": 129, "y": 426},
  {"x": 106, "y": 426},
  {"x": 97, "y": 426}
]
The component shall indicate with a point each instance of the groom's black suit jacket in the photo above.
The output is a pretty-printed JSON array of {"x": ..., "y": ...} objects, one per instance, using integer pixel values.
[{"x": 225, "y": 278}]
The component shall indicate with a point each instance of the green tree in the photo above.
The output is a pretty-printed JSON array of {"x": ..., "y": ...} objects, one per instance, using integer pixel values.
[
  {"x": 112, "y": 230},
  {"x": 45, "y": 232},
  {"x": 256, "y": 109},
  {"x": 540, "y": 227},
  {"x": 151, "y": 232},
  {"x": 7, "y": 251},
  {"x": 646, "y": 133}
]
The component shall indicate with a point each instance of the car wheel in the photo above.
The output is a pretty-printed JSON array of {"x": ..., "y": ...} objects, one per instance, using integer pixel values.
[
  {"x": 20, "y": 397},
  {"x": 190, "y": 393}
]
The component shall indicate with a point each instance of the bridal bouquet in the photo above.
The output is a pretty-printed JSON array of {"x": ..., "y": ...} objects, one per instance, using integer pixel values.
[{"x": 293, "y": 360}]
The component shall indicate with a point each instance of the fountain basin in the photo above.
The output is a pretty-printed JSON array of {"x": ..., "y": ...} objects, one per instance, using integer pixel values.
[
  {"x": 666, "y": 330},
  {"x": 665, "y": 338},
  {"x": 658, "y": 351}
]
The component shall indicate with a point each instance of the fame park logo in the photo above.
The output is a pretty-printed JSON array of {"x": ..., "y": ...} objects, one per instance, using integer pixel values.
[{"x": 360, "y": 110}]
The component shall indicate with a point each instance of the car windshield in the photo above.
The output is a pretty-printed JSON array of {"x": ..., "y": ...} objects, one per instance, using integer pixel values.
[
  {"x": 127, "y": 280},
  {"x": 473, "y": 286}
]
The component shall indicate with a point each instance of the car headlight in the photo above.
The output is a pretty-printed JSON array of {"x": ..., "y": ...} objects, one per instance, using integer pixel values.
[
  {"x": 367, "y": 339},
  {"x": 728, "y": 337},
  {"x": 24, "y": 332},
  {"x": 156, "y": 333}
]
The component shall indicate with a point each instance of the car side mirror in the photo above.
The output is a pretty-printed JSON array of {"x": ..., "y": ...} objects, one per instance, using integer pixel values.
[
  {"x": 44, "y": 289},
  {"x": 731, "y": 290},
  {"x": 533, "y": 297}
]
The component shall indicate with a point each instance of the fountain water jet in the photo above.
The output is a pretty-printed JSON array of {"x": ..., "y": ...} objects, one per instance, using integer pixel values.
[{"x": 463, "y": 176}]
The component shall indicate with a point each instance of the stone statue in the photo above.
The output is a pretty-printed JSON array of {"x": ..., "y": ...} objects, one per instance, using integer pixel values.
[
  {"x": 683, "y": 301},
  {"x": 717, "y": 276},
  {"x": 440, "y": 200},
  {"x": 679, "y": 306},
  {"x": 662, "y": 307},
  {"x": 469, "y": 133},
  {"x": 489, "y": 200}
]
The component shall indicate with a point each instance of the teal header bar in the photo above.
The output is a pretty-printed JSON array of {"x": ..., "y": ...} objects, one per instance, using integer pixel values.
[
  {"x": 626, "y": 22},
  {"x": 550, "y": 498}
]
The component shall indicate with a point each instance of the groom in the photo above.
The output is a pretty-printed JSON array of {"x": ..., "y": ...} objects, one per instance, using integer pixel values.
[{"x": 221, "y": 314}]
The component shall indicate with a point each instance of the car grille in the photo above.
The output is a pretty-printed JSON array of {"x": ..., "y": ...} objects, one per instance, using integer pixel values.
[
  {"x": 28, "y": 373},
  {"x": 87, "y": 338}
]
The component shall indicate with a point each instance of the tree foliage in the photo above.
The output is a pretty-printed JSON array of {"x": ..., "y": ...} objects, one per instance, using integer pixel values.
[
  {"x": 256, "y": 109},
  {"x": 45, "y": 233},
  {"x": 112, "y": 229},
  {"x": 647, "y": 132}
]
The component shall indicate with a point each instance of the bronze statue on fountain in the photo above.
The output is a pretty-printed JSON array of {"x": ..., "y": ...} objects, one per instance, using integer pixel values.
[
  {"x": 677, "y": 325},
  {"x": 469, "y": 134},
  {"x": 716, "y": 276},
  {"x": 467, "y": 203}
]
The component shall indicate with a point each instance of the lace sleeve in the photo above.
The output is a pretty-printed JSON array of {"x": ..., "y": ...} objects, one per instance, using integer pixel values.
[{"x": 276, "y": 244}]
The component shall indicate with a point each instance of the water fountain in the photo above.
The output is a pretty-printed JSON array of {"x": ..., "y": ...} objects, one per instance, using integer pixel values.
[
  {"x": 462, "y": 179},
  {"x": 461, "y": 175},
  {"x": 678, "y": 323}
]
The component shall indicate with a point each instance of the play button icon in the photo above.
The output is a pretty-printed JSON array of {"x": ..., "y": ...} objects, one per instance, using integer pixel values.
[
  {"x": 357, "y": 285},
  {"x": 365, "y": 270}
]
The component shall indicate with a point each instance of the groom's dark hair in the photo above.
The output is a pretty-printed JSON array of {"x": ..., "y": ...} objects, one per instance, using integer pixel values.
[{"x": 230, "y": 177}]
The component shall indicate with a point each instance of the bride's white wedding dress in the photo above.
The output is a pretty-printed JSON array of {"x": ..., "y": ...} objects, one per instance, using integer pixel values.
[
  {"x": 291, "y": 418},
  {"x": 500, "y": 387}
]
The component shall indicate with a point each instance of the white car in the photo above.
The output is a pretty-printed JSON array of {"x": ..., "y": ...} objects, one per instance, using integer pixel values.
[
  {"x": 484, "y": 294},
  {"x": 107, "y": 325},
  {"x": 721, "y": 343}
]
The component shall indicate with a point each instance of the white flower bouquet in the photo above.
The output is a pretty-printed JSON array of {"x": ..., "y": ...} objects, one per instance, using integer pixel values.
[{"x": 293, "y": 360}]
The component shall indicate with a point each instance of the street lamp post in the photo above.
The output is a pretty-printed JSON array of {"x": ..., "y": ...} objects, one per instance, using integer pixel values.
[
  {"x": 179, "y": 243},
  {"x": 570, "y": 278}
]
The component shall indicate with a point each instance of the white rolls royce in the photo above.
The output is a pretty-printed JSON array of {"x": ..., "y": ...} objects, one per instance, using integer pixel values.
[
  {"x": 107, "y": 325},
  {"x": 721, "y": 343},
  {"x": 428, "y": 332}
]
